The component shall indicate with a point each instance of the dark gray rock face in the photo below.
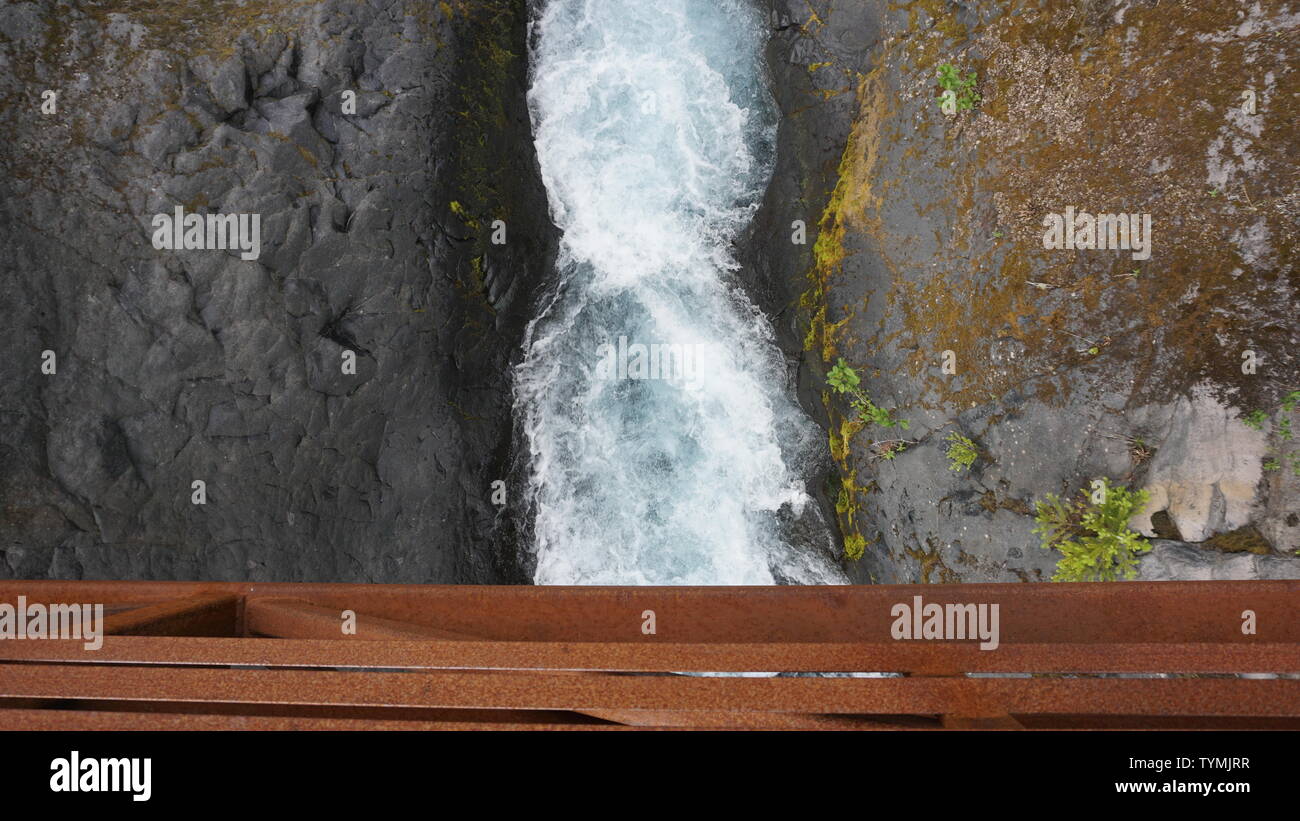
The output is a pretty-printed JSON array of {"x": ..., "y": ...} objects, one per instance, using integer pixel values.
[{"x": 180, "y": 366}]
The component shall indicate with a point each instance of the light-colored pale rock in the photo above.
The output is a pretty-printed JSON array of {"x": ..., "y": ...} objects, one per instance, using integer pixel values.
[{"x": 1206, "y": 471}]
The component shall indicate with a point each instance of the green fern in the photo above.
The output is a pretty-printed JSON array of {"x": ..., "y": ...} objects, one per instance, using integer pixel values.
[
  {"x": 1095, "y": 541},
  {"x": 961, "y": 452}
]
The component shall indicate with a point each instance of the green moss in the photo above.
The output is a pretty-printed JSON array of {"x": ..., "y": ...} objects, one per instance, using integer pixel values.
[
  {"x": 847, "y": 204},
  {"x": 210, "y": 28},
  {"x": 930, "y": 561},
  {"x": 828, "y": 257},
  {"x": 1246, "y": 539},
  {"x": 484, "y": 173},
  {"x": 855, "y": 546},
  {"x": 844, "y": 502},
  {"x": 459, "y": 210}
]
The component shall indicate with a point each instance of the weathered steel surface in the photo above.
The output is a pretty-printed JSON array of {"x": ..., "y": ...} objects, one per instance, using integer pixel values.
[
  {"x": 577, "y": 657},
  {"x": 114, "y": 720},
  {"x": 117, "y": 720},
  {"x": 919, "y": 658},
  {"x": 298, "y": 619},
  {"x": 214, "y": 614},
  {"x": 540, "y": 690},
  {"x": 1159, "y": 612},
  {"x": 690, "y": 720}
]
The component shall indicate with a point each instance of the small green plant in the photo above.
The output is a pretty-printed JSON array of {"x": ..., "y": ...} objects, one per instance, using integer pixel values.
[
  {"x": 1272, "y": 464},
  {"x": 958, "y": 91},
  {"x": 961, "y": 452},
  {"x": 1093, "y": 536},
  {"x": 873, "y": 414},
  {"x": 1255, "y": 420},
  {"x": 890, "y": 448},
  {"x": 845, "y": 380}
]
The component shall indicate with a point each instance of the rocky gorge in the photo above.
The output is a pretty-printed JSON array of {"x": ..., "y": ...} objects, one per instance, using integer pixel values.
[{"x": 383, "y": 144}]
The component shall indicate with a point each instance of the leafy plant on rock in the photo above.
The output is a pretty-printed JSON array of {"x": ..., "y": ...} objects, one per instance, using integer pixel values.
[
  {"x": 958, "y": 88},
  {"x": 1093, "y": 537},
  {"x": 961, "y": 452},
  {"x": 1282, "y": 419},
  {"x": 843, "y": 379}
]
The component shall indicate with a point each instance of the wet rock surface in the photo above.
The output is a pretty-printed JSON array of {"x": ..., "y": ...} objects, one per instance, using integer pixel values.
[
  {"x": 177, "y": 366},
  {"x": 815, "y": 55},
  {"x": 925, "y": 249}
]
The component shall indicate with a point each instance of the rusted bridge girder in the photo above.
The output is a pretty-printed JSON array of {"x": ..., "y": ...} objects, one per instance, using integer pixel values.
[{"x": 275, "y": 656}]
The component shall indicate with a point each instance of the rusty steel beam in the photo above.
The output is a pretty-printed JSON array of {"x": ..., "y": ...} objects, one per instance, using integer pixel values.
[
  {"x": 298, "y": 619},
  {"x": 25, "y": 719},
  {"x": 996, "y": 721},
  {"x": 81, "y": 720},
  {"x": 757, "y": 720},
  {"x": 63, "y": 720},
  {"x": 539, "y": 690},
  {"x": 284, "y": 710},
  {"x": 558, "y": 656},
  {"x": 212, "y": 614},
  {"x": 292, "y": 618},
  {"x": 918, "y": 658},
  {"x": 1165, "y": 612}
]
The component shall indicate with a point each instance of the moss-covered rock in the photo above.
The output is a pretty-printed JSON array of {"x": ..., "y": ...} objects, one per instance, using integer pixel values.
[{"x": 930, "y": 250}]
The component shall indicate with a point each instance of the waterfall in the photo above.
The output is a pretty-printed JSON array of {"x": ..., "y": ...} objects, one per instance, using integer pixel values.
[{"x": 664, "y": 447}]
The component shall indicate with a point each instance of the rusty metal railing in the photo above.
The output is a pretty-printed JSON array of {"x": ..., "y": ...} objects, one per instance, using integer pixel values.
[{"x": 276, "y": 656}]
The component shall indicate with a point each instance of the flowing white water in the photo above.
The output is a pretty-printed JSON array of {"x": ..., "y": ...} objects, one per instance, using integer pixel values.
[{"x": 654, "y": 132}]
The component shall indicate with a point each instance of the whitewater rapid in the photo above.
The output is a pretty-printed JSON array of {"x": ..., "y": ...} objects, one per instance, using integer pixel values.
[{"x": 654, "y": 132}]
